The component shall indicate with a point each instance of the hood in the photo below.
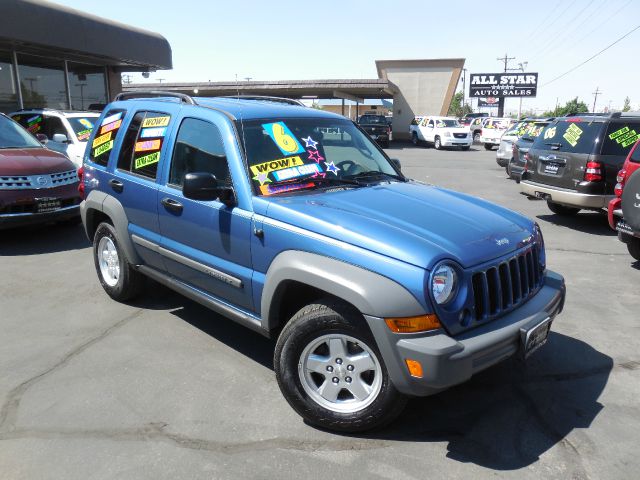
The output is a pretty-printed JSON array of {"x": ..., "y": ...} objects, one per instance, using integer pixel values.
[
  {"x": 32, "y": 161},
  {"x": 413, "y": 222}
]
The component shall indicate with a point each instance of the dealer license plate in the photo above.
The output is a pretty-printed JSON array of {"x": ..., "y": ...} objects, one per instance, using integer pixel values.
[
  {"x": 551, "y": 168},
  {"x": 533, "y": 338},
  {"x": 44, "y": 205},
  {"x": 623, "y": 227}
]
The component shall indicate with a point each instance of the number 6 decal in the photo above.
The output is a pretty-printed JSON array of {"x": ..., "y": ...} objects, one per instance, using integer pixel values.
[{"x": 283, "y": 138}]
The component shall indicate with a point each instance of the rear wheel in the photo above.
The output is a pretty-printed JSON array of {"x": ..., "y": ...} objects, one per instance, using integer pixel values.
[
  {"x": 117, "y": 276},
  {"x": 437, "y": 144},
  {"x": 561, "y": 209},
  {"x": 331, "y": 372},
  {"x": 508, "y": 169},
  {"x": 488, "y": 146},
  {"x": 465, "y": 148},
  {"x": 633, "y": 245},
  {"x": 476, "y": 137}
]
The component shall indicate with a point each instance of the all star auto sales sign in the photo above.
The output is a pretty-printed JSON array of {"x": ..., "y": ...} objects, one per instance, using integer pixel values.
[{"x": 503, "y": 85}]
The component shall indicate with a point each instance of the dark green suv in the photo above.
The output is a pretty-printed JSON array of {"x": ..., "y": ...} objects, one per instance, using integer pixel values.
[{"x": 573, "y": 163}]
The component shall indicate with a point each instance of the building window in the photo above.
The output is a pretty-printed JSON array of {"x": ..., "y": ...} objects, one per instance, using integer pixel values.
[
  {"x": 88, "y": 86},
  {"x": 42, "y": 82},
  {"x": 8, "y": 92}
]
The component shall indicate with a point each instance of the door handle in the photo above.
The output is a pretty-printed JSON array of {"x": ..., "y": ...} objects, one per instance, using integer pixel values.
[
  {"x": 116, "y": 185},
  {"x": 172, "y": 205}
]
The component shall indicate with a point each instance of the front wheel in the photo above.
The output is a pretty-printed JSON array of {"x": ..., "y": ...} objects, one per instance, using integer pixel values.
[
  {"x": 561, "y": 209},
  {"x": 488, "y": 146},
  {"x": 633, "y": 245},
  {"x": 437, "y": 143},
  {"x": 331, "y": 372},
  {"x": 508, "y": 169},
  {"x": 465, "y": 148}
]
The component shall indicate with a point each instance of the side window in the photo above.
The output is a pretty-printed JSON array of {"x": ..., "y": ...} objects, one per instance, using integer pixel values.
[
  {"x": 53, "y": 125},
  {"x": 430, "y": 124},
  {"x": 105, "y": 137},
  {"x": 620, "y": 137},
  {"x": 198, "y": 148},
  {"x": 140, "y": 152}
]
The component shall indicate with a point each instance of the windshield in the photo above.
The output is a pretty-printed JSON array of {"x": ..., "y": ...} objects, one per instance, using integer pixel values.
[
  {"x": 499, "y": 124},
  {"x": 533, "y": 129},
  {"x": 574, "y": 136},
  {"x": 373, "y": 119},
  {"x": 13, "y": 135},
  {"x": 301, "y": 153},
  {"x": 82, "y": 126},
  {"x": 446, "y": 123}
]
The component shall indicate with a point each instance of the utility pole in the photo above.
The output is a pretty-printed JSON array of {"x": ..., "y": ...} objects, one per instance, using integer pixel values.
[
  {"x": 464, "y": 75},
  {"x": 522, "y": 66},
  {"x": 595, "y": 98},
  {"x": 504, "y": 59}
]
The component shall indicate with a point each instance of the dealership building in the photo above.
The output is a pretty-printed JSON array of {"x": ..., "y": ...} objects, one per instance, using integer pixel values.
[{"x": 57, "y": 57}]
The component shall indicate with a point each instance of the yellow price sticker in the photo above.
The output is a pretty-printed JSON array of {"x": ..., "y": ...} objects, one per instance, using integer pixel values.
[{"x": 283, "y": 138}]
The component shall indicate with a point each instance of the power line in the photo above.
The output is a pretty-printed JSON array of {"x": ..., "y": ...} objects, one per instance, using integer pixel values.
[
  {"x": 592, "y": 57},
  {"x": 535, "y": 31}
]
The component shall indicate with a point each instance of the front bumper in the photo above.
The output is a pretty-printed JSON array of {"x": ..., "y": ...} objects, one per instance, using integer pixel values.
[
  {"x": 456, "y": 142},
  {"x": 490, "y": 140},
  {"x": 12, "y": 220},
  {"x": 564, "y": 196},
  {"x": 449, "y": 361}
]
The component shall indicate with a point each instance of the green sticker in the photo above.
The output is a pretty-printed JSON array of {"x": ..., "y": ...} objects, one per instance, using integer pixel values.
[
  {"x": 618, "y": 132},
  {"x": 105, "y": 147},
  {"x": 572, "y": 135},
  {"x": 147, "y": 160}
]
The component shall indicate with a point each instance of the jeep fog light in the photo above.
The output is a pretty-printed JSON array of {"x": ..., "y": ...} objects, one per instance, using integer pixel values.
[
  {"x": 414, "y": 367},
  {"x": 444, "y": 284}
]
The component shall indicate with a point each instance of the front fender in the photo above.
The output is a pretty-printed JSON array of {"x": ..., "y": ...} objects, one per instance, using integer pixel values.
[{"x": 370, "y": 292}]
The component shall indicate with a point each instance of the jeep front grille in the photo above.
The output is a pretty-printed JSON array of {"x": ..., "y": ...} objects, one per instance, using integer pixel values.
[
  {"x": 33, "y": 182},
  {"x": 506, "y": 285}
]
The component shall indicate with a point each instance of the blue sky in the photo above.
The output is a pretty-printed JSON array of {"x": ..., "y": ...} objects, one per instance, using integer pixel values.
[{"x": 271, "y": 40}]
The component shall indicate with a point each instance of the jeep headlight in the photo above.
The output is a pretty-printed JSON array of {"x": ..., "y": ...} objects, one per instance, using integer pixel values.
[{"x": 444, "y": 284}]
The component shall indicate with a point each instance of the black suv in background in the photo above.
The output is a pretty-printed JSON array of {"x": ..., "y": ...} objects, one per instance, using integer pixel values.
[
  {"x": 377, "y": 127},
  {"x": 516, "y": 165},
  {"x": 573, "y": 163}
]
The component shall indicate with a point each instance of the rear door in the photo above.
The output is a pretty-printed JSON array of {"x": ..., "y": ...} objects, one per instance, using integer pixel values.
[{"x": 559, "y": 155}]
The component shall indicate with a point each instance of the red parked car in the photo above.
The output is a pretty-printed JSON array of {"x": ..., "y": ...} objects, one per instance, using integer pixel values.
[
  {"x": 37, "y": 185},
  {"x": 624, "y": 209}
]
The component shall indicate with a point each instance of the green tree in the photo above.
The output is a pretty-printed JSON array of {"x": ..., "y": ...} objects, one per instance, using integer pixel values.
[
  {"x": 627, "y": 104},
  {"x": 457, "y": 108},
  {"x": 572, "y": 106}
]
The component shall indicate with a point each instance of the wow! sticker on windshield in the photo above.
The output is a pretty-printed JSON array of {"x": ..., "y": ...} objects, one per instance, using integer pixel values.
[
  {"x": 283, "y": 138},
  {"x": 156, "y": 121},
  {"x": 278, "y": 164}
]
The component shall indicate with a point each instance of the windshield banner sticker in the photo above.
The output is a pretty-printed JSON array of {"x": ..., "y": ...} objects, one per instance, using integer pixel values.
[
  {"x": 111, "y": 126},
  {"x": 105, "y": 147},
  {"x": 147, "y": 160},
  {"x": 147, "y": 145},
  {"x": 153, "y": 132},
  {"x": 279, "y": 164},
  {"x": 294, "y": 172},
  {"x": 102, "y": 139},
  {"x": 156, "y": 121},
  {"x": 287, "y": 187},
  {"x": 283, "y": 138},
  {"x": 572, "y": 135},
  {"x": 111, "y": 118},
  {"x": 625, "y": 136},
  {"x": 84, "y": 134}
]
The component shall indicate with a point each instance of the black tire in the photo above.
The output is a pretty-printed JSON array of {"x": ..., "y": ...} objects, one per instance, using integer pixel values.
[
  {"x": 508, "y": 169},
  {"x": 633, "y": 245},
  {"x": 488, "y": 146},
  {"x": 329, "y": 317},
  {"x": 630, "y": 196},
  {"x": 476, "y": 137},
  {"x": 465, "y": 148},
  {"x": 414, "y": 139},
  {"x": 561, "y": 209},
  {"x": 130, "y": 282},
  {"x": 437, "y": 143}
]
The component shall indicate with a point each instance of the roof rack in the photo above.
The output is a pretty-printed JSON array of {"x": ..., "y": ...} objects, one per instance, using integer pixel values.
[
  {"x": 153, "y": 94},
  {"x": 286, "y": 101},
  {"x": 625, "y": 114}
]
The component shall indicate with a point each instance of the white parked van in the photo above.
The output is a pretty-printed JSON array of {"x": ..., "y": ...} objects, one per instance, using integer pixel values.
[{"x": 440, "y": 131}]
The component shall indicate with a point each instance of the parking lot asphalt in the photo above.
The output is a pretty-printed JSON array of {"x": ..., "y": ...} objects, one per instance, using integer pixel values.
[{"x": 164, "y": 389}]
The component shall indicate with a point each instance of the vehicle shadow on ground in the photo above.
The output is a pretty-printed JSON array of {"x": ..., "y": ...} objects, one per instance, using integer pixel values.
[
  {"x": 42, "y": 239},
  {"x": 594, "y": 223},
  {"x": 508, "y": 416},
  {"x": 504, "y": 418}
]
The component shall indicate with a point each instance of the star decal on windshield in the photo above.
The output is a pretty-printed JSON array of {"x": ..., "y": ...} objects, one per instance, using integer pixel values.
[
  {"x": 310, "y": 142},
  {"x": 262, "y": 178},
  {"x": 332, "y": 168},
  {"x": 315, "y": 156}
]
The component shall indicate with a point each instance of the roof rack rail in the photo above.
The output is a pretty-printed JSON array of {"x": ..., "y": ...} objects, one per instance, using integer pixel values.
[
  {"x": 154, "y": 93},
  {"x": 625, "y": 114},
  {"x": 286, "y": 101}
]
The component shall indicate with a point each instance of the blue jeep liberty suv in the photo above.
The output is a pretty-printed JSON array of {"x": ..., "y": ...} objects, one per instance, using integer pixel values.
[{"x": 294, "y": 223}]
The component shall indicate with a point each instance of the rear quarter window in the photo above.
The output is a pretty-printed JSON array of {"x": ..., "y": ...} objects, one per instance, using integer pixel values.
[
  {"x": 105, "y": 136},
  {"x": 620, "y": 137},
  {"x": 570, "y": 136},
  {"x": 635, "y": 156}
]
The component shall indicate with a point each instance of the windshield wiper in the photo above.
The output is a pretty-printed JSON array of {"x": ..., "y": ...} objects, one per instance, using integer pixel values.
[{"x": 377, "y": 173}]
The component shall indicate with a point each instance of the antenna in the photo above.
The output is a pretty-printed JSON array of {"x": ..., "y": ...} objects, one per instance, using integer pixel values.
[{"x": 595, "y": 98}]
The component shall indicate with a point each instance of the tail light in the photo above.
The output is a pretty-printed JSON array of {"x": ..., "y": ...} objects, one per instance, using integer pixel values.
[
  {"x": 527, "y": 157},
  {"x": 593, "y": 173},
  {"x": 81, "y": 184},
  {"x": 388, "y": 130},
  {"x": 620, "y": 185}
]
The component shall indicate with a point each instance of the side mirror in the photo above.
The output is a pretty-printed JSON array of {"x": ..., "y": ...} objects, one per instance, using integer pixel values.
[
  {"x": 396, "y": 163},
  {"x": 204, "y": 186},
  {"x": 42, "y": 138},
  {"x": 60, "y": 138}
]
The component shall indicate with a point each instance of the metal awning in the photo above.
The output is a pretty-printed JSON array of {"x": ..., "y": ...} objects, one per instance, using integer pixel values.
[{"x": 41, "y": 27}]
